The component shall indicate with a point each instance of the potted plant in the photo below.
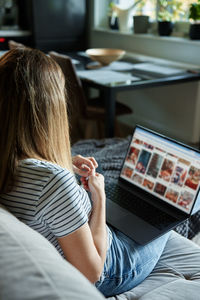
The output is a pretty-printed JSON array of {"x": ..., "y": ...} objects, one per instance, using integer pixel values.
[
  {"x": 140, "y": 21},
  {"x": 194, "y": 15},
  {"x": 169, "y": 11},
  {"x": 112, "y": 17}
]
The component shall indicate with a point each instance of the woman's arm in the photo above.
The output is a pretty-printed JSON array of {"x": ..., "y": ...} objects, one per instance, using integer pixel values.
[
  {"x": 86, "y": 247},
  {"x": 97, "y": 221}
]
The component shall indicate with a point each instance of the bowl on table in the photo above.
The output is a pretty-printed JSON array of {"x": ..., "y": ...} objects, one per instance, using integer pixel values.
[{"x": 105, "y": 56}]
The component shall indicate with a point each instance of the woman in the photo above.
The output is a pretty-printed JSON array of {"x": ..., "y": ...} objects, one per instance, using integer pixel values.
[{"x": 37, "y": 181}]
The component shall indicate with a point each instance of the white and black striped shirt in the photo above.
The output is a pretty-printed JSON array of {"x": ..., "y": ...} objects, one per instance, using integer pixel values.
[{"x": 47, "y": 198}]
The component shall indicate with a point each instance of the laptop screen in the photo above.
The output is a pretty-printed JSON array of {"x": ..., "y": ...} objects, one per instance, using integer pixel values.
[{"x": 167, "y": 169}]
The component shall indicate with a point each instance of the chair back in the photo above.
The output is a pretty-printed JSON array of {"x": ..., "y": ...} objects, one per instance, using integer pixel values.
[
  {"x": 75, "y": 94},
  {"x": 13, "y": 45}
]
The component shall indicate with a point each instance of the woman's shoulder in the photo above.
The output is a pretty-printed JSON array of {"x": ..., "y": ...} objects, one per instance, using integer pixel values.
[{"x": 42, "y": 167}]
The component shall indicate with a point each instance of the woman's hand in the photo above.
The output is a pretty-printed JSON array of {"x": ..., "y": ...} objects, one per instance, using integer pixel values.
[
  {"x": 95, "y": 185},
  {"x": 84, "y": 166}
]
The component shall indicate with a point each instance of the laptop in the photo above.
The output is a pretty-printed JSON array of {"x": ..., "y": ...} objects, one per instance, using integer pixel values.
[{"x": 157, "y": 187}]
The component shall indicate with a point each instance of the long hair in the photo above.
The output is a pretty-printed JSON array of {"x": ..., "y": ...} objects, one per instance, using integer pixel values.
[{"x": 33, "y": 112}]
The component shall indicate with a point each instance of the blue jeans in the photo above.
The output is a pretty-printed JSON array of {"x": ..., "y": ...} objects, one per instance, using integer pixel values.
[{"x": 127, "y": 263}]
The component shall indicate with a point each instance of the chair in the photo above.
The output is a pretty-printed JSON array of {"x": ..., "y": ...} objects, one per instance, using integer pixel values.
[
  {"x": 13, "y": 45},
  {"x": 82, "y": 108}
]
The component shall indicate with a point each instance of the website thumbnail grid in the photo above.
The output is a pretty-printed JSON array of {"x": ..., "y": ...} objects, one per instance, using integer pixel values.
[{"x": 165, "y": 169}]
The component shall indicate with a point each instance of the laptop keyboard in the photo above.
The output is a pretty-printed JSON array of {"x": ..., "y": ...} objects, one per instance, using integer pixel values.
[{"x": 140, "y": 208}]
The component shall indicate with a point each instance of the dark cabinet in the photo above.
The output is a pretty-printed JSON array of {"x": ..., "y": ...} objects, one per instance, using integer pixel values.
[{"x": 59, "y": 25}]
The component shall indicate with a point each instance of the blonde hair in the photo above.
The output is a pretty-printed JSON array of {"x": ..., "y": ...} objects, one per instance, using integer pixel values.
[{"x": 33, "y": 112}]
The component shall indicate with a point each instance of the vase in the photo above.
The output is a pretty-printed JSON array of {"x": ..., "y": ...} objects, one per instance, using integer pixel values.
[
  {"x": 165, "y": 28},
  {"x": 124, "y": 20},
  {"x": 113, "y": 22},
  {"x": 194, "y": 32},
  {"x": 140, "y": 24},
  {"x": 124, "y": 16}
]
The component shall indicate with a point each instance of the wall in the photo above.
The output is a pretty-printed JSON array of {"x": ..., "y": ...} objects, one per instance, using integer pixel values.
[{"x": 172, "y": 110}]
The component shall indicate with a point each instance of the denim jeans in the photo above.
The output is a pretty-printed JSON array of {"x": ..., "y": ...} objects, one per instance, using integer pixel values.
[{"x": 127, "y": 263}]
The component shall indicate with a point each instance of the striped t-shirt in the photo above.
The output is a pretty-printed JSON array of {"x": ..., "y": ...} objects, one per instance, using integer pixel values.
[{"x": 47, "y": 198}]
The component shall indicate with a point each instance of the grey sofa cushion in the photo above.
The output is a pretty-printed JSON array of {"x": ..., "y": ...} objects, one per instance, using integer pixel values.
[
  {"x": 175, "y": 277},
  {"x": 31, "y": 268}
]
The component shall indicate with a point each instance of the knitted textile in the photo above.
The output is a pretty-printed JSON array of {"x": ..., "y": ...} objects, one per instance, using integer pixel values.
[{"x": 110, "y": 153}]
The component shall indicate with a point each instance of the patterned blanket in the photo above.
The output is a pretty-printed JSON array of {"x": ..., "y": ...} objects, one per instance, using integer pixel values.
[{"x": 110, "y": 154}]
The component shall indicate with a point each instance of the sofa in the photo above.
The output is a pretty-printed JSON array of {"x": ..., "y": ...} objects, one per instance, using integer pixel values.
[{"x": 31, "y": 268}]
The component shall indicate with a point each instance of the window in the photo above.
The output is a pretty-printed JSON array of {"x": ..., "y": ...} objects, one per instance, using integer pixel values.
[
  {"x": 177, "y": 8},
  {"x": 147, "y": 7},
  {"x": 176, "y": 48},
  {"x": 186, "y": 5}
]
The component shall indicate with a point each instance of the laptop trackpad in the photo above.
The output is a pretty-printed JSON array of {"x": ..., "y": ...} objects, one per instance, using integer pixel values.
[{"x": 131, "y": 225}]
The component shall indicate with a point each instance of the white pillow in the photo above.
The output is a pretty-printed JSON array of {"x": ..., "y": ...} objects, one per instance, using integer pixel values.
[{"x": 31, "y": 268}]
